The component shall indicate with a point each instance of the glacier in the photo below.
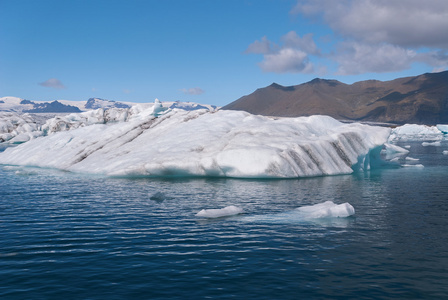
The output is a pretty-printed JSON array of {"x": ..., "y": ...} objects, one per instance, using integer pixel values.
[{"x": 146, "y": 141}]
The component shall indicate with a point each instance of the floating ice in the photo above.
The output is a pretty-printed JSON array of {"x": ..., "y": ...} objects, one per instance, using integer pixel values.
[
  {"x": 135, "y": 142},
  {"x": 393, "y": 151},
  {"x": 327, "y": 210},
  {"x": 443, "y": 128},
  {"x": 326, "y": 213},
  {"x": 435, "y": 144},
  {"x": 413, "y": 166},
  {"x": 412, "y": 159},
  {"x": 413, "y": 132},
  {"x": 445, "y": 152},
  {"x": 221, "y": 212}
]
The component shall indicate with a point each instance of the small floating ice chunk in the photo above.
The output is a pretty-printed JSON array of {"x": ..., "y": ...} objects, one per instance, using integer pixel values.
[
  {"x": 327, "y": 210},
  {"x": 435, "y": 144},
  {"x": 412, "y": 159},
  {"x": 390, "y": 148},
  {"x": 415, "y": 166},
  {"x": 445, "y": 152},
  {"x": 221, "y": 212},
  {"x": 407, "y": 146},
  {"x": 393, "y": 151}
]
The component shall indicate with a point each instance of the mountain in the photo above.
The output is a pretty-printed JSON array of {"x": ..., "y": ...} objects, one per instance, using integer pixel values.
[
  {"x": 95, "y": 103},
  {"x": 51, "y": 107},
  {"x": 192, "y": 106},
  {"x": 19, "y": 105},
  {"x": 421, "y": 99}
]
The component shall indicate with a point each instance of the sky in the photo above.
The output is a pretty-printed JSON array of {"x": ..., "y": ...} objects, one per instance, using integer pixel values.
[{"x": 211, "y": 51}]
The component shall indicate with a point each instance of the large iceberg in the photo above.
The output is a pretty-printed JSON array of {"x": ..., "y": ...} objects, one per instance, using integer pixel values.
[{"x": 201, "y": 143}]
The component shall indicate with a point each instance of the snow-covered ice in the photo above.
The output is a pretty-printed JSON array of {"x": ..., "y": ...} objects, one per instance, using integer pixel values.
[
  {"x": 327, "y": 210},
  {"x": 392, "y": 149},
  {"x": 413, "y": 132},
  {"x": 323, "y": 213},
  {"x": 200, "y": 143},
  {"x": 412, "y": 159},
  {"x": 443, "y": 128},
  {"x": 18, "y": 128},
  {"x": 393, "y": 152},
  {"x": 435, "y": 144},
  {"x": 220, "y": 212},
  {"x": 413, "y": 166}
]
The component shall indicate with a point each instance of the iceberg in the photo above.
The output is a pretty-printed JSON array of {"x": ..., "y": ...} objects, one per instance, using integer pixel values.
[
  {"x": 443, "y": 128},
  {"x": 414, "y": 132},
  {"x": 16, "y": 128},
  {"x": 413, "y": 166},
  {"x": 323, "y": 213},
  {"x": 435, "y": 144},
  {"x": 220, "y": 212},
  {"x": 327, "y": 210},
  {"x": 145, "y": 142},
  {"x": 393, "y": 152}
]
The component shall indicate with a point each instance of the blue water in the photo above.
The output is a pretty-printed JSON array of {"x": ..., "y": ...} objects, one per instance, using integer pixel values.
[{"x": 70, "y": 236}]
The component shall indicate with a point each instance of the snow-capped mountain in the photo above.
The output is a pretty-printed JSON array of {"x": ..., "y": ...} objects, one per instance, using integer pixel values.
[
  {"x": 19, "y": 105},
  {"x": 192, "y": 106},
  {"x": 95, "y": 103}
]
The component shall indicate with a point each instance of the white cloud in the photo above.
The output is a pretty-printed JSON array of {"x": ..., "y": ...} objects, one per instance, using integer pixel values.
[
  {"x": 410, "y": 23},
  {"x": 287, "y": 61},
  {"x": 53, "y": 83},
  {"x": 437, "y": 59},
  {"x": 193, "y": 91},
  {"x": 259, "y": 47},
  {"x": 290, "y": 57},
  {"x": 383, "y": 35},
  {"x": 440, "y": 69},
  {"x": 306, "y": 44},
  {"x": 357, "y": 58},
  {"x": 374, "y": 36}
]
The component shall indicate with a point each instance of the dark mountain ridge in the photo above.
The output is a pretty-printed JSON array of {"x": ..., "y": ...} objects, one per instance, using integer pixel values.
[
  {"x": 420, "y": 99},
  {"x": 50, "y": 107}
]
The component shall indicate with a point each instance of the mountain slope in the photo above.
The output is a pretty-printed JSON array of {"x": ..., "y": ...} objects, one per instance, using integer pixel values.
[{"x": 421, "y": 99}]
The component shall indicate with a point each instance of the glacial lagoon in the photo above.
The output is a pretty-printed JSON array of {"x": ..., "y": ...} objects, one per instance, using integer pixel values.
[{"x": 73, "y": 236}]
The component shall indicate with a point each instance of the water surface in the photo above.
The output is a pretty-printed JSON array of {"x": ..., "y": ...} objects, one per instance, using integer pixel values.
[{"x": 73, "y": 236}]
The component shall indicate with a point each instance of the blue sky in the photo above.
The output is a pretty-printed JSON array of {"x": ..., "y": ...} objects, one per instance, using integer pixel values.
[{"x": 212, "y": 51}]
